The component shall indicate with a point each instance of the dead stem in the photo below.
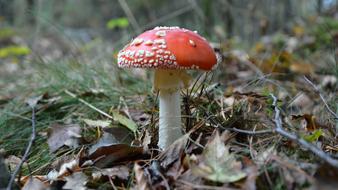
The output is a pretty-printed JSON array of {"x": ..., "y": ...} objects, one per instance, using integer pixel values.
[
  {"x": 321, "y": 97},
  {"x": 89, "y": 105},
  {"x": 26, "y": 154},
  {"x": 280, "y": 130}
]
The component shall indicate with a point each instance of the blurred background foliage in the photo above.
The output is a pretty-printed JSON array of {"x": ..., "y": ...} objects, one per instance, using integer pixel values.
[
  {"x": 58, "y": 36},
  {"x": 245, "y": 20}
]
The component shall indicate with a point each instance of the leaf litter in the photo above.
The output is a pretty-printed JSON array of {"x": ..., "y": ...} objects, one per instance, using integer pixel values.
[
  {"x": 209, "y": 155},
  {"x": 217, "y": 164},
  {"x": 64, "y": 135}
]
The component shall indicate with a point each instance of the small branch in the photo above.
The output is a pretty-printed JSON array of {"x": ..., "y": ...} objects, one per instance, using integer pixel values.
[
  {"x": 260, "y": 132},
  {"x": 315, "y": 150},
  {"x": 89, "y": 105},
  {"x": 28, "y": 148},
  {"x": 321, "y": 97},
  {"x": 169, "y": 16},
  {"x": 130, "y": 15}
]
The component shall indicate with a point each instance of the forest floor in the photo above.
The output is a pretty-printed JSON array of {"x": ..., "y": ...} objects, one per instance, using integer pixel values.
[{"x": 266, "y": 118}]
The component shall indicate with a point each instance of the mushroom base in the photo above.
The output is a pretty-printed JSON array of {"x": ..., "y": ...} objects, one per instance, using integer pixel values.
[{"x": 170, "y": 118}]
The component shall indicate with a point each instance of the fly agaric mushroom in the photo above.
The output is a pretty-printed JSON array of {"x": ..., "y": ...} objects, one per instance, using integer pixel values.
[{"x": 169, "y": 51}]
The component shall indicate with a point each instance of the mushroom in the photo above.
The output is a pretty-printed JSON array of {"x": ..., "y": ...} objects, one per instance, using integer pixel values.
[{"x": 170, "y": 51}]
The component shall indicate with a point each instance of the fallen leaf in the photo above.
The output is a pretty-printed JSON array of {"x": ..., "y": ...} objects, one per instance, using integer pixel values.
[
  {"x": 313, "y": 137},
  {"x": 141, "y": 179},
  {"x": 97, "y": 123},
  {"x": 217, "y": 164},
  {"x": 326, "y": 177},
  {"x": 68, "y": 167},
  {"x": 311, "y": 122},
  {"x": 121, "y": 134},
  {"x": 174, "y": 151},
  {"x": 141, "y": 118},
  {"x": 106, "y": 140},
  {"x": 77, "y": 181},
  {"x": 302, "y": 68},
  {"x": 34, "y": 184},
  {"x": 52, "y": 175},
  {"x": 146, "y": 141},
  {"x": 188, "y": 176},
  {"x": 32, "y": 102},
  {"x": 61, "y": 135},
  {"x": 13, "y": 161},
  {"x": 122, "y": 172},
  {"x": 108, "y": 155},
  {"x": 264, "y": 155},
  {"x": 130, "y": 124},
  {"x": 252, "y": 173}
]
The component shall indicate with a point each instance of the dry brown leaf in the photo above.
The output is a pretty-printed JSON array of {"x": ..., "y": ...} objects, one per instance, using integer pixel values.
[
  {"x": 326, "y": 177},
  {"x": 141, "y": 118},
  {"x": 121, "y": 134},
  {"x": 189, "y": 177},
  {"x": 302, "y": 68},
  {"x": 146, "y": 141},
  {"x": 311, "y": 121},
  {"x": 108, "y": 155},
  {"x": 61, "y": 135},
  {"x": 174, "y": 151},
  {"x": 265, "y": 155},
  {"x": 97, "y": 123},
  {"x": 13, "y": 161},
  {"x": 252, "y": 173},
  {"x": 77, "y": 181},
  {"x": 122, "y": 172},
  {"x": 106, "y": 140},
  {"x": 34, "y": 184},
  {"x": 68, "y": 167},
  {"x": 141, "y": 179}
]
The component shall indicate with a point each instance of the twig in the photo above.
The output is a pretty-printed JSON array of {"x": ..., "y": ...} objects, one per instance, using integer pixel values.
[
  {"x": 315, "y": 150},
  {"x": 260, "y": 132},
  {"x": 130, "y": 15},
  {"x": 89, "y": 105},
  {"x": 166, "y": 184},
  {"x": 169, "y": 16},
  {"x": 198, "y": 9},
  {"x": 196, "y": 186},
  {"x": 321, "y": 97},
  {"x": 26, "y": 154},
  {"x": 291, "y": 166},
  {"x": 112, "y": 183}
]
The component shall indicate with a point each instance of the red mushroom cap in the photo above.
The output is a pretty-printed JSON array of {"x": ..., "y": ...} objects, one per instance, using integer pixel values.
[{"x": 168, "y": 48}]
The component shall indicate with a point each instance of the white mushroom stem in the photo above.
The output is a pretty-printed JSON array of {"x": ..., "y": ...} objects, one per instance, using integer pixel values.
[
  {"x": 170, "y": 118},
  {"x": 169, "y": 83}
]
